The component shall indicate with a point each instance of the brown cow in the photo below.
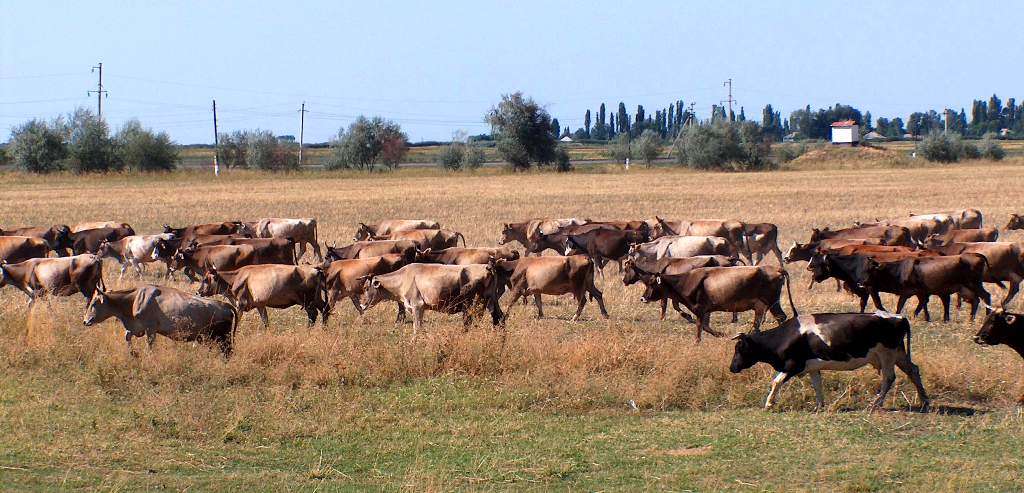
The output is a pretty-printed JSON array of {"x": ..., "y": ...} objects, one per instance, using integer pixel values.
[
  {"x": 344, "y": 278},
  {"x": 723, "y": 289},
  {"x": 988, "y": 234},
  {"x": 57, "y": 237},
  {"x": 919, "y": 228},
  {"x": 1016, "y": 222},
  {"x": 539, "y": 240},
  {"x": 385, "y": 228},
  {"x": 99, "y": 224},
  {"x": 1005, "y": 262},
  {"x": 89, "y": 240},
  {"x": 442, "y": 288},
  {"x": 553, "y": 276},
  {"x": 224, "y": 257},
  {"x": 632, "y": 269},
  {"x": 436, "y": 239},
  {"x": 63, "y": 276},
  {"x": 270, "y": 286},
  {"x": 805, "y": 251},
  {"x": 729, "y": 229},
  {"x": 961, "y": 219},
  {"x": 14, "y": 249},
  {"x": 522, "y": 232},
  {"x": 149, "y": 310},
  {"x": 891, "y": 235},
  {"x": 466, "y": 256},
  {"x": 189, "y": 232},
  {"x": 1003, "y": 327},
  {"x": 367, "y": 249},
  {"x": 603, "y": 244}
]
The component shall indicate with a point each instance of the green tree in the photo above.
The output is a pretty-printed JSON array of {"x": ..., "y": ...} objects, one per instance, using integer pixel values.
[
  {"x": 940, "y": 147},
  {"x": 91, "y": 147},
  {"x": 474, "y": 157},
  {"x": 586, "y": 124},
  {"x": 989, "y": 148},
  {"x": 522, "y": 131},
  {"x": 141, "y": 149},
  {"x": 556, "y": 128},
  {"x": 648, "y": 146},
  {"x": 368, "y": 142},
  {"x": 37, "y": 147},
  {"x": 622, "y": 119},
  {"x": 264, "y": 151},
  {"x": 621, "y": 148},
  {"x": 724, "y": 145}
]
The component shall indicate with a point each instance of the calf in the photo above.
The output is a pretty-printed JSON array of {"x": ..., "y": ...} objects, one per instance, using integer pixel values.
[
  {"x": 270, "y": 286},
  {"x": 723, "y": 289},
  {"x": 14, "y": 249},
  {"x": 442, "y": 288},
  {"x": 149, "y": 310},
  {"x": 134, "y": 251},
  {"x": 759, "y": 240},
  {"x": 63, "y": 276},
  {"x": 367, "y": 249},
  {"x": 554, "y": 276},
  {"x": 831, "y": 341},
  {"x": 387, "y": 227},
  {"x": 1005, "y": 262}
]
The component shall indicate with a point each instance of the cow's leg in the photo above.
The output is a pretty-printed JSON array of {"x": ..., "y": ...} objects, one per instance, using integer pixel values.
[
  {"x": 707, "y": 325},
  {"x": 311, "y": 312},
  {"x": 819, "y": 394},
  {"x": 686, "y": 316},
  {"x": 778, "y": 254},
  {"x": 759, "y": 313},
  {"x": 914, "y": 373},
  {"x": 581, "y": 301},
  {"x": 877, "y": 300},
  {"x": 263, "y": 316},
  {"x": 400, "y": 316},
  {"x": 735, "y": 318},
  {"x": 124, "y": 267},
  {"x": 901, "y": 302},
  {"x": 778, "y": 312},
  {"x": 417, "y": 319},
  {"x": 777, "y": 382},
  {"x": 944, "y": 298},
  {"x": 888, "y": 377},
  {"x": 316, "y": 251},
  {"x": 128, "y": 342},
  {"x": 138, "y": 267},
  {"x": 302, "y": 252},
  {"x": 664, "y": 307},
  {"x": 598, "y": 296},
  {"x": 150, "y": 338},
  {"x": 540, "y": 305},
  {"x": 1011, "y": 290},
  {"x": 863, "y": 302},
  {"x": 839, "y": 285}
]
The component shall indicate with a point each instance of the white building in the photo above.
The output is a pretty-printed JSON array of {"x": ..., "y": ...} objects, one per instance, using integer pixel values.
[{"x": 845, "y": 132}]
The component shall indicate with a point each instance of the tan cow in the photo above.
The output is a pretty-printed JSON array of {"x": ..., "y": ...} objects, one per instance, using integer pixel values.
[
  {"x": 466, "y": 256},
  {"x": 436, "y": 239},
  {"x": 99, "y": 224},
  {"x": 682, "y": 246},
  {"x": 988, "y": 234},
  {"x": 62, "y": 276},
  {"x": 149, "y": 309},
  {"x": 387, "y": 227},
  {"x": 346, "y": 278},
  {"x": 133, "y": 251},
  {"x": 729, "y": 229},
  {"x": 14, "y": 249},
  {"x": 553, "y": 276},
  {"x": 270, "y": 286},
  {"x": 367, "y": 249},
  {"x": 961, "y": 219},
  {"x": 57, "y": 237},
  {"x": 760, "y": 239},
  {"x": 302, "y": 231},
  {"x": 442, "y": 288},
  {"x": 199, "y": 260}
]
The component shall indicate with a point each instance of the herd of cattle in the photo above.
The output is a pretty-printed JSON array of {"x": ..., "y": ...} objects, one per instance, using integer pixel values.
[{"x": 701, "y": 267}]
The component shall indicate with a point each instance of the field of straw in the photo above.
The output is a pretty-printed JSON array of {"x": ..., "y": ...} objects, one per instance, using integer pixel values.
[{"x": 624, "y": 403}]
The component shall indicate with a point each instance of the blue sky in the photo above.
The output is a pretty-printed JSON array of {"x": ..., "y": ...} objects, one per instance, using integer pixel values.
[{"x": 437, "y": 67}]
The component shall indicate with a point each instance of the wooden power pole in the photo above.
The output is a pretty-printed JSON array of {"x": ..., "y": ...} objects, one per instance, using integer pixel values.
[{"x": 302, "y": 129}]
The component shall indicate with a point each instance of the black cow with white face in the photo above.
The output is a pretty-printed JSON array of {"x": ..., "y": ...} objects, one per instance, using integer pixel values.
[{"x": 831, "y": 341}]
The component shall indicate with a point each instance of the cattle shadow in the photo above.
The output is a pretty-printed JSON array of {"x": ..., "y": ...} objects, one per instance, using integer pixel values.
[
  {"x": 943, "y": 410},
  {"x": 960, "y": 411}
]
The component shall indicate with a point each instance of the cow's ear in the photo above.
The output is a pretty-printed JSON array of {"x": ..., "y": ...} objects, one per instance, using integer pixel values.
[
  {"x": 657, "y": 279},
  {"x": 1010, "y": 318},
  {"x": 375, "y": 282}
]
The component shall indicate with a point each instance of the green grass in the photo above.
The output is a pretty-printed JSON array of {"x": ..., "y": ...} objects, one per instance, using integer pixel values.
[{"x": 449, "y": 433}]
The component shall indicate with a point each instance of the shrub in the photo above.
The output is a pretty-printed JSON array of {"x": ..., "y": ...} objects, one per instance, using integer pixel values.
[
  {"x": 990, "y": 149},
  {"x": 788, "y": 152},
  {"x": 621, "y": 148},
  {"x": 143, "y": 150},
  {"x": 91, "y": 147},
  {"x": 368, "y": 142},
  {"x": 738, "y": 146},
  {"x": 451, "y": 156},
  {"x": 231, "y": 150},
  {"x": 941, "y": 147},
  {"x": 265, "y": 152},
  {"x": 648, "y": 146},
  {"x": 562, "y": 161},
  {"x": 474, "y": 157},
  {"x": 37, "y": 147},
  {"x": 969, "y": 151},
  {"x": 4, "y": 156}
]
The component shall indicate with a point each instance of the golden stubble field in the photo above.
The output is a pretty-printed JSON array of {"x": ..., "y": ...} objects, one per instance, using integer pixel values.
[{"x": 76, "y": 405}]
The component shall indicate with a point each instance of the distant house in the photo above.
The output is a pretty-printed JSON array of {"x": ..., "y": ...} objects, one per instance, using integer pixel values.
[
  {"x": 1003, "y": 132},
  {"x": 874, "y": 136},
  {"x": 565, "y": 139},
  {"x": 846, "y": 133}
]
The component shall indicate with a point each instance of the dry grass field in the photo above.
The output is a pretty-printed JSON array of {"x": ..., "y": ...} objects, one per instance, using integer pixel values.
[{"x": 360, "y": 404}]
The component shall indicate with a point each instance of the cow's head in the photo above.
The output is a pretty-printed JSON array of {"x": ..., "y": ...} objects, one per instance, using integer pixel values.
[
  {"x": 745, "y": 353},
  {"x": 933, "y": 240},
  {"x": 1000, "y": 327},
  {"x": 819, "y": 268},
  {"x": 180, "y": 259},
  {"x": 364, "y": 232},
  {"x": 798, "y": 252},
  {"x": 535, "y": 242},
  {"x": 506, "y": 233},
  {"x": 819, "y": 234},
  {"x": 1016, "y": 222},
  {"x": 333, "y": 253},
  {"x": 106, "y": 250},
  {"x": 212, "y": 284},
  {"x": 662, "y": 228},
  {"x": 631, "y": 274},
  {"x": 653, "y": 289},
  {"x": 169, "y": 229},
  {"x": 99, "y": 308},
  {"x": 373, "y": 292}
]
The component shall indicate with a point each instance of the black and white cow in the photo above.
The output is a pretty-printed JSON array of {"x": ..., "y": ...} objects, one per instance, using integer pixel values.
[{"x": 831, "y": 341}]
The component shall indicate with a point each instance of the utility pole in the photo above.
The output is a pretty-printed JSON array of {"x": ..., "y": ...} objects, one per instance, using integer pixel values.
[
  {"x": 216, "y": 141},
  {"x": 946, "y": 130},
  {"x": 686, "y": 123},
  {"x": 730, "y": 100},
  {"x": 100, "y": 93},
  {"x": 302, "y": 129},
  {"x": 689, "y": 115}
]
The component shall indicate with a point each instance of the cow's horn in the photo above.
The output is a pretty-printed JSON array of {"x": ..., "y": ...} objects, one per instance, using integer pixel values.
[{"x": 738, "y": 336}]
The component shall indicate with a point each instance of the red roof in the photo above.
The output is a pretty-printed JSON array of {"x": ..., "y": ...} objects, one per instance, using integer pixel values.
[{"x": 844, "y": 123}]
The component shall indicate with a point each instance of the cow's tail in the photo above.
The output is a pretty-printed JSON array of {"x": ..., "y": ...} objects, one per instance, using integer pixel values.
[
  {"x": 234, "y": 324},
  {"x": 789, "y": 293},
  {"x": 316, "y": 239},
  {"x": 906, "y": 325},
  {"x": 462, "y": 236}
]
